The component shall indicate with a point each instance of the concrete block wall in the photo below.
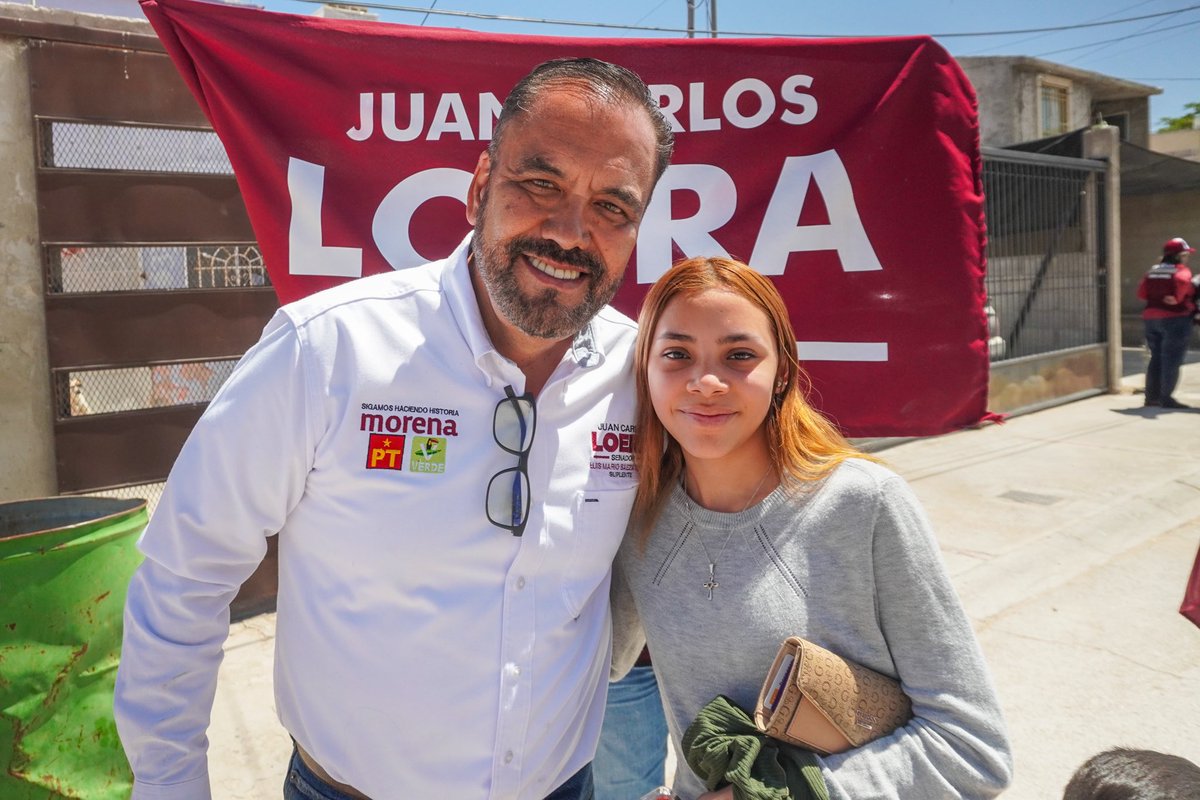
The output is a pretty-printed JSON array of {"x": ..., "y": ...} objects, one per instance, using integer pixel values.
[
  {"x": 1146, "y": 222},
  {"x": 26, "y": 419}
]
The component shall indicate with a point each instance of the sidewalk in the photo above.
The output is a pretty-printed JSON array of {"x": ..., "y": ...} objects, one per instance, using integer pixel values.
[{"x": 1069, "y": 534}]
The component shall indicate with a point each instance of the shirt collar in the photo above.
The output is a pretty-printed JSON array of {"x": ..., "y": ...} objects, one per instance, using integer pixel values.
[
  {"x": 585, "y": 349},
  {"x": 460, "y": 295}
]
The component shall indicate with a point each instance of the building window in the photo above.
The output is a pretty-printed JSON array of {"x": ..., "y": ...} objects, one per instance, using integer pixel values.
[
  {"x": 1120, "y": 121},
  {"x": 1054, "y": 105}
]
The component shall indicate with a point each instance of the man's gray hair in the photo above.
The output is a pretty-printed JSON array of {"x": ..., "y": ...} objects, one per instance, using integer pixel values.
[{"x": 607, "y": 81}]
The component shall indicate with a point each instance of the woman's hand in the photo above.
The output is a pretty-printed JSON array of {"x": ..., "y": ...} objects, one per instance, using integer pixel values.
[{"x": 720, "y": 794}]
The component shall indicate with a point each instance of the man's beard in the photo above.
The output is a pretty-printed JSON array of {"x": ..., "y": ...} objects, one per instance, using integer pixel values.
[{"x": 540, "y": 315}]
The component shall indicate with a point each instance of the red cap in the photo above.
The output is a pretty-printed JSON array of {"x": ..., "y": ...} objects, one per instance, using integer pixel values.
[{"x": 1176, "y": 246}]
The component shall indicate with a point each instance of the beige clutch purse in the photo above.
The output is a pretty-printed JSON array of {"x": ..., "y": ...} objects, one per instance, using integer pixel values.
[{"x": 820, "y": 701}]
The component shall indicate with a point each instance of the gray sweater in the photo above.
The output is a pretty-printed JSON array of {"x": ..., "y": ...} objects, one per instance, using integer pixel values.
[{"x": 850, "y": 563}]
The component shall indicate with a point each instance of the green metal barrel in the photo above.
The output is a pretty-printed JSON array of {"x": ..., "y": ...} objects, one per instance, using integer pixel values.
[{"x": 65, "y": 563}]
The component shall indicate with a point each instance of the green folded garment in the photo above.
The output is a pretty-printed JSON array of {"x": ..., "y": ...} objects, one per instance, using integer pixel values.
[{"x": 723, "y": 746}]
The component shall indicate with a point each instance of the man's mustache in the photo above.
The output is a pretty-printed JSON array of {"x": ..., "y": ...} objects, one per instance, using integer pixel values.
[{"x": 544, "y": 248}]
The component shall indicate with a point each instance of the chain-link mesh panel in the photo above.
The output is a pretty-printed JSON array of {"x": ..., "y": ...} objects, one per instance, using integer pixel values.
[
  {"x": 150, "y": 492},
  {"x": 108, "y": 391},
  {"x": 129, "y": 269},
  {"x": 81, "y": 145}
]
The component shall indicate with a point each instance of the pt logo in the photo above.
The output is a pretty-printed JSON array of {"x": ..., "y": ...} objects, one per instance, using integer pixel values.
[
  {"x": 385, "y": 451},
  {"x": 428, "y": 454}
]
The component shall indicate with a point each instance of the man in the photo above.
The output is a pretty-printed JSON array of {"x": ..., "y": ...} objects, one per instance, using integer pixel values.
[
  {"x": 1167, "y": 289},
  {"x": 443, "y": 626}
]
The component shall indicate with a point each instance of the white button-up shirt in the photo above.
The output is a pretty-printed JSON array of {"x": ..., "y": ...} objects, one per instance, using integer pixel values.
[{"x": 421, "y": 650}]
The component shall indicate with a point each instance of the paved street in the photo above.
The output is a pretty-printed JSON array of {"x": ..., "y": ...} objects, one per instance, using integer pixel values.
[{"x": 1069, "y": 533}]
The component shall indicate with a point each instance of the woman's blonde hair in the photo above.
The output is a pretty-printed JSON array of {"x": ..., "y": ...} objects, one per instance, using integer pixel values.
[{"x": 804, "y": 445}]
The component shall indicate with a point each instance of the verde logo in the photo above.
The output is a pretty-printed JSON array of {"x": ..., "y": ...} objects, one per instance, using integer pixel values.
[{"x": 428, "y": 454}]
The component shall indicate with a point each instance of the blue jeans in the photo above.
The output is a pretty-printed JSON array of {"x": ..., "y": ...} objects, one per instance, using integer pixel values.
[
  {"x": 578, "y": 787},
  {"x": 1168, "y": 341},
  {"x": 302, "y": 784},
  {"x": 632, "y": 756}
]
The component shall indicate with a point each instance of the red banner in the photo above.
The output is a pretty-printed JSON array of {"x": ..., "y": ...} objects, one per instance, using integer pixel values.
[{"x": 848, "y": 170}]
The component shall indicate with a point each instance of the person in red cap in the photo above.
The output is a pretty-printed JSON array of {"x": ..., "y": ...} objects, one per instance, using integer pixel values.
[{"x": 1170, "y": 303}]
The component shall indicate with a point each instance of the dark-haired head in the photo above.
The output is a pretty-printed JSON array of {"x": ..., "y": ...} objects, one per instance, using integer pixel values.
[
  {"x": 605, "y": 82},
  {"x": 1126, "y": 774}
]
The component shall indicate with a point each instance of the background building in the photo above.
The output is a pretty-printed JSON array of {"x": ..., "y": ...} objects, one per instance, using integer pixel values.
[
  {"x": 1022, "y": 98},
  {"x": 1181, "y": 144}
]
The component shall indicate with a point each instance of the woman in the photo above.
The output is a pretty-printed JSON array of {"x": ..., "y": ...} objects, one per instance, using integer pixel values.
[
  {"x": 1170, "y": 303},
  {"x": 756, "y": 520}
]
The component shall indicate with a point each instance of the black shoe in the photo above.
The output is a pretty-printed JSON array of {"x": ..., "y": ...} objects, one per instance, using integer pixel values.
[
  {"x": 1152, "y": 404},
  {"x": 1171, "y": 402}
]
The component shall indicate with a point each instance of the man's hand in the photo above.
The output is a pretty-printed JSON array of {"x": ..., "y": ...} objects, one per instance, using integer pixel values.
[
  {"x": 719, "y": 794},
  {"x": 1171, "y": 300}
]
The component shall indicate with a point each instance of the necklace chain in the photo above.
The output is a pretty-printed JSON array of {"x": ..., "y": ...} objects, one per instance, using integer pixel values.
[{"x": 711, "y": 583}]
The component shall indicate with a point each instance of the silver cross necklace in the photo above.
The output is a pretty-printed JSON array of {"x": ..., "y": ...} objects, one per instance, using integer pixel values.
[{"x": 711, "y": 583}]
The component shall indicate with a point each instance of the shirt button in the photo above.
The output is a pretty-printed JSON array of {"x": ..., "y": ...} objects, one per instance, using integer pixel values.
[
  {"x": 521, "y": 583},
  {"x": 508, "y": 757}
]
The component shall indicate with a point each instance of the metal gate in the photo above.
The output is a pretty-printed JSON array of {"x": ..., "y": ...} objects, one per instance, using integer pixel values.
[
  {"x": 154, "y": 285},
  {"x": 1046, "y": 278}
]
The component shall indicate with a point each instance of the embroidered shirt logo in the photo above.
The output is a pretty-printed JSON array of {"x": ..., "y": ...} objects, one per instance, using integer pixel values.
[
  {"x": 385, "y": 451},
  {"x": 428, "y": 454},
  {"x": 612, "y": 449},
  {"x": 426, "y": 429}
]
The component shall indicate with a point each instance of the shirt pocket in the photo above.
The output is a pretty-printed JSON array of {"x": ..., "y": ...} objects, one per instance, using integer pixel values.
[{"x": 598, "y": 524}]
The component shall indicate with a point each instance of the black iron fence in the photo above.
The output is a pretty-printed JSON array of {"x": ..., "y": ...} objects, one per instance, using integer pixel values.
[
  {"x": 1046, "y": 276},
  {"x": 1046, "y": 279}
]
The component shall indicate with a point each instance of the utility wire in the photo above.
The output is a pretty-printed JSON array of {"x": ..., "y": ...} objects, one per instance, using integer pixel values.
[
  {"x": 1074, "y": 27},
  {"x": 655, "y": 29},
  {"x": 1118, "y": 39},
  {"x": 1162, "y": 25},
  {"x": 1166, "y": 34},
  {"x": 535, "y": 20},
  {"x": 1100, "y": 47},
  {"x": 1106, "y": 51},
  {"x": 426, "y": 17},
  {"x": 1016, "y": 42},
  {"x": 651, "y": 11}
]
